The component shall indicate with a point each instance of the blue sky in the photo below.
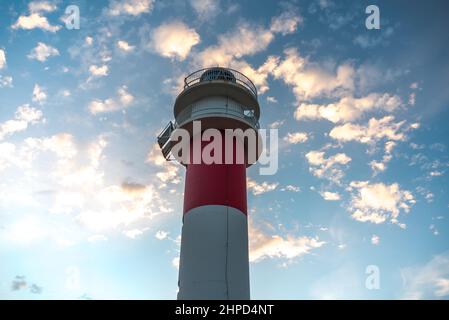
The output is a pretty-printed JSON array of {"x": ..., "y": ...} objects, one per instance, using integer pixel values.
[{"x": 88, "y": 209}]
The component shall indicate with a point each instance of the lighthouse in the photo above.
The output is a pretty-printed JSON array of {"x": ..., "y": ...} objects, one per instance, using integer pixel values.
[{"x": 214, "y": 262}]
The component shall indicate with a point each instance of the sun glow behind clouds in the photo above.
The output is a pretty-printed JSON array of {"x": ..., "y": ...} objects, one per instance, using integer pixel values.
[
  {"x": 174, "y": 40},
  {"x": 26, "y": 231}
]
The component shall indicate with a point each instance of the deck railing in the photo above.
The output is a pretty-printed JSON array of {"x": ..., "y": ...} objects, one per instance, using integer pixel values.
[
  {"x": 191, "y": 113},
  {"x": 240, "y": 79}
]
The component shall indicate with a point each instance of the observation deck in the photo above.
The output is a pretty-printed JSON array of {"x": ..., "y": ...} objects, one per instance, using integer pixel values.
[{"x": 220, "y": 98}]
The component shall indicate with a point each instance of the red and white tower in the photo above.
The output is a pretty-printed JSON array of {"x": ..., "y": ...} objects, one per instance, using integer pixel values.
[{"x": 214, "y": 260}]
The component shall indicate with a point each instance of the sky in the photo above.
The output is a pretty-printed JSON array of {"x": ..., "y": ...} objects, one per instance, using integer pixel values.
[{"x": 358, "y": 208}]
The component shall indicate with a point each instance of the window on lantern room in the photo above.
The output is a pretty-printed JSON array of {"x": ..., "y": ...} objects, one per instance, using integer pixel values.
[{"x": 248, "y": 113}]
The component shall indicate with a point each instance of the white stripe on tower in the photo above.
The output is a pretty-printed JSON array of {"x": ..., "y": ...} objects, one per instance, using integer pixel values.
[{"x": 214, "y": 254}]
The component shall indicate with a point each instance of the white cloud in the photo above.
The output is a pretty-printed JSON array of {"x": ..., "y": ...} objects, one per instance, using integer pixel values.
[
  {"x": 125, "y": 97},
  {"x": 42, "y": 52},
  {"x": 276, "y": 124},
  {"x": 5, "y": 81},
  {"x": 89, "y": 40},
  {"x": 124, "y": 46},
  {"x": 348, "y": 109},
  {"x": 414, "y": 85},
  {"x": 429, "y": 197},
  {"x": 258, "y": 76},
  {"x": 72, "y": 173},
  {"x": 175, "y": 262},
  {"x": 329, "y": 168},
  {"x": 416, "y": 146},
  {"x": 174, "y": 40},
  {"x": 130, "y": 7},
  {"x": 161, "y": 235},
  {"x": 66, "y": 93},
  {"x": 296, "y": 137},
  {"x": 443, "y": 287},
  {"x": 366, "y": 41},
  {"x": 39, "y": 95},
  {"x": 35, "y": 19},
  {"x": 286, "y": 23},
  {"x": 2, "y": 59},
  {"x": 370, "y": 76},
  {"x": 375, "y": 239},
  {"x": 26, "y": 230},
  {"x": 7, "y": 153},
  {"x": 99, "y": 71},
  {"x": 109, "y": 206},
  {"x": 259, "y": 188},
  {"x": 412, "y": 99},
  {"x": 205, "y": 9},
  {"x": 245, "y": 40},
  {"x": 24, "y": 157},
  {"x": 379, "y": 166},
  {"x": 24, "y": 116},
  {"x": 263, "y": 246},
  {"x": 427, "y": 281},
  {"x": 155, "y": 156},
  {"x": 310, "y": 80},
  {"x": 436, "y": 173},
  {"x": 62, "y": 144},
  {"x": 123, "y": 100},
  {"x": 28, "y": 114},
  {"x": 434, "y": 230},
  {"x": 291, "y": 188},
  {"x": 377, "y": 129},
  {"x": 271, "y": 99},
  {"x": 317, "y": 158},
  {"x": 330, "y": 196},
  {"x": 41, "y": 6},
  {"x": 168, "y": 172},
  {"x": 112, "y": 206},
  {"x": 97, "y": 106},
  {"x": 378, "y": 202},
  {"x": 133, "y": 233}
]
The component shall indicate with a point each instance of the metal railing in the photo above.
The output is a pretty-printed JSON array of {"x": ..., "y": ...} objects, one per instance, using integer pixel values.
[
  {"x": 240, "y": 78},
  {"x": 189, "y": 114}
]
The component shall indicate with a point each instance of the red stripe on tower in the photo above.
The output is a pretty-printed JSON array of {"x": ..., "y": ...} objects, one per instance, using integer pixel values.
[{"x": 216, "y": 184}]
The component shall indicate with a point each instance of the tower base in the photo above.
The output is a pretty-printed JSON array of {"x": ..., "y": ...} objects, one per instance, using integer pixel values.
[{"x": 214, "y": 254}]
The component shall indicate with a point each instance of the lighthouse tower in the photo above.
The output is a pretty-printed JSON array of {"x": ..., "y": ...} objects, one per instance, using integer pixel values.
[{"x": 214, "y": 260}]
